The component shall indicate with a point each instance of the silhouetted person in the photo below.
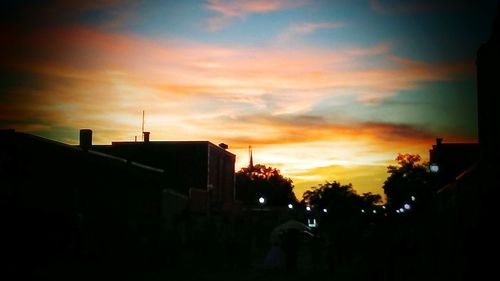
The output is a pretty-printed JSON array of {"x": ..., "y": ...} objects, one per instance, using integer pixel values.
[
  {"x": 316, "y": 247},
  {"x": 290, "y": 242},
  {"x": 341, "y": 246},
  {"x": 242, "y": 248},
  {"x": 275, "y": 256}
]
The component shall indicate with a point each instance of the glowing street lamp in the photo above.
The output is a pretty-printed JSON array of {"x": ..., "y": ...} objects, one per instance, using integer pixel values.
[
  {"x": 290, "y": 206},
  {"x": 262, "y": 200},
  {"x": 325, "y": 210},
  {"x": 434, "y": 168},
  {"x": 308, "y": 208}
]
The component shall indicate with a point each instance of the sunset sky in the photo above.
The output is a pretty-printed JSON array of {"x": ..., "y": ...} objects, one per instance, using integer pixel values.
[{"x": 321, "y": 89}]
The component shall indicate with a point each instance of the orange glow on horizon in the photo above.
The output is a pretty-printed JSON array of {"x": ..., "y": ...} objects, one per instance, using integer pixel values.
[{"x": 237, "y": 95}]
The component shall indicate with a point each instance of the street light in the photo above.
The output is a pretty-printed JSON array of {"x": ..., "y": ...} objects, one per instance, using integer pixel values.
[
  {"x": 325, "y": 210},
  {"x": 434, "y": 168},
  {"x": 308, "y": 208},
  {"x": 290, "y": 206},
  {"x": 262, "y": 200}
]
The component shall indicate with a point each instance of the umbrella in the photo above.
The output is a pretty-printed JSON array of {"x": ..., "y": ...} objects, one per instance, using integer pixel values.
[{"x": 288, "y": 225}]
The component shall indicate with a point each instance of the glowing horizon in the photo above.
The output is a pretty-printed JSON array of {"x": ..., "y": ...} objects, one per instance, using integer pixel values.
[{"x": 322, "y": 90}]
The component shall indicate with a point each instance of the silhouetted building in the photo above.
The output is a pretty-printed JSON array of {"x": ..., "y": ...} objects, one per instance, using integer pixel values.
[
  {"x": 449, "y": 160},
  {"x": 466, "y": 209},
  {"x": 198, "y": 169},
  {"x": 60, "y": 201},
  {"x": 488, "y": 93}
]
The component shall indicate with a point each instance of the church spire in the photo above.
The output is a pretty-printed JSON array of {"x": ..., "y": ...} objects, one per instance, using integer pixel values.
[{"x": 250, "y": 165}]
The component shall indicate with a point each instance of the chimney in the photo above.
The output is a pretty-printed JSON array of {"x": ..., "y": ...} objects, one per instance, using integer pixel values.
[
  {"x": 146, "y": 136},
  {"x": 223, "y": 146},
  {"x": 85, "y": 138},
  {"x": 439, "y": 141}
]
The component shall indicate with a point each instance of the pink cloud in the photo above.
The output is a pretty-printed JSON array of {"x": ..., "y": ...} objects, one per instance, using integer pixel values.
[
  {"x": 94, "y": 77},
  {"x": 309, "y": 27},
  {"x": 90, "y": 78},
  {"x": 227, "y": 10},
  {"x": 306, "y": 28}
]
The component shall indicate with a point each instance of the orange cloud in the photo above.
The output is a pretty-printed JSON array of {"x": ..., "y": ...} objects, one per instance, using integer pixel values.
[
  {"x": 234, "y": 73},
  {"x": 272, "y": 130},
  {"x": 76, "y": 77},
  {"x": 126, "y": 72}
]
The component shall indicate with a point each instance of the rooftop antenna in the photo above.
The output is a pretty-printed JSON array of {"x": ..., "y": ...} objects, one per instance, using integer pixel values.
[{"x": 142, "y": 125}]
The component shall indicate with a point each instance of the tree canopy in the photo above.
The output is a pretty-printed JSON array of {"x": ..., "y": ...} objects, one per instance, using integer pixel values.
[
  {"x": 258, "y": 181},
  {"x": 409, "y": 181},
  {"x": 341, "y": 200}
]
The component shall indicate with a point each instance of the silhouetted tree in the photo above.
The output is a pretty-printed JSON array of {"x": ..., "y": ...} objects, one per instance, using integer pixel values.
[
  {"x": 258, "y": 181},
  {"x": 371, "y": 199},
  {"x": 331, "y": 194},
  {"x": 409, "y": 182},
  {"x": 346, "y": 220},
  {"x": 339, "y": 199}
]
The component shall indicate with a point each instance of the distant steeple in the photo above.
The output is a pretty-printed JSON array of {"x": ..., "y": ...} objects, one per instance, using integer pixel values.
[{"x": 250, "y": 165}]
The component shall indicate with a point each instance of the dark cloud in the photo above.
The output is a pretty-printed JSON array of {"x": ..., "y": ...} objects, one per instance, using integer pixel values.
[
  {"x": 27, "y": 18},
  {"x": 409, "y": 6},
  {"x": 309, "y": 128}
]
